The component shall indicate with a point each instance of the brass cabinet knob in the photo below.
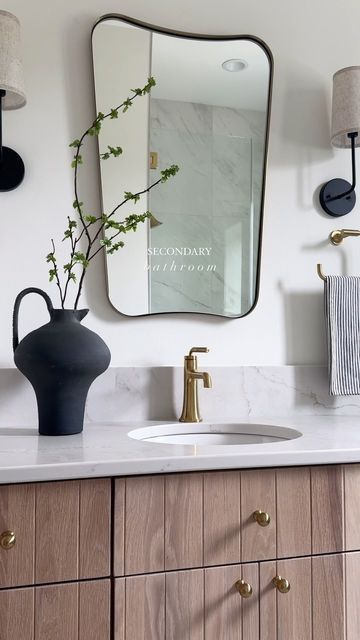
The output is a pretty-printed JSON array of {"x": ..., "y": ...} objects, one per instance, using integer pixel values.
[
  {"x": 262, "y": 518},
  {"x": 244, "y": 588},
  {"x": 281, "y": 584},
  {"x": 7, "y": 540}
]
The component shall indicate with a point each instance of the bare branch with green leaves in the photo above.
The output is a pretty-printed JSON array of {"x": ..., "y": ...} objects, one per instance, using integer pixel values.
[{"x": 99, "y": 232}]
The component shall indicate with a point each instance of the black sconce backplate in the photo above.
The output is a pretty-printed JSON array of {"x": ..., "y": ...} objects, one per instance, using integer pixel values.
[
  {"x": 12, "y": 170},
  {"x": 331, "y": 203}
]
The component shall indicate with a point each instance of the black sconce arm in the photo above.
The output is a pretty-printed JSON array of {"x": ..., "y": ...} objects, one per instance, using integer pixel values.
[
  {"x": 11, "y": 165},
  {"x": 337, "y": 197}
]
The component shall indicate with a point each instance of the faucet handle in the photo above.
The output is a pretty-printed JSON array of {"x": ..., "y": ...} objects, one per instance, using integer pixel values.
[{"x": 198, "y": 350}]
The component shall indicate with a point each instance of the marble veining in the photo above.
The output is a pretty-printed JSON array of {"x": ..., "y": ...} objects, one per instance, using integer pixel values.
[
  {"x": 214, "y": 200},
  {"x": 155, "y": 393}
]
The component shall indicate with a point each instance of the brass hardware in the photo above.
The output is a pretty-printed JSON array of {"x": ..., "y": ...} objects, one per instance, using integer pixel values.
[
  {"x": 336, "y": 237},
  {"x": 320, "y": 272},
  {"x": 262, "y": 518},
  {"x": 153, "y": 160},
  {"x": 7, "y": 540},
  {"x": 190, "y": 412},
  {"x": 244, "y": 588},
  {"x": 282, "y": 585}
]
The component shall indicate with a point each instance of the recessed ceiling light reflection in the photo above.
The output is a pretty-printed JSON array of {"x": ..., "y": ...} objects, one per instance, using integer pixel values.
[{"x": 234, "y": 64}]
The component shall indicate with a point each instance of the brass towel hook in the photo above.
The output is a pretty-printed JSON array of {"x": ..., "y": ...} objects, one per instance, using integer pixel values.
[
  {"x": 336, "y": 237},
  {"x": 320, "y": 272}
]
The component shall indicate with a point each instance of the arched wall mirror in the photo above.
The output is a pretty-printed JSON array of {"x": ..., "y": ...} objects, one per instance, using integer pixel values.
[{"x": 209, "y": 114}]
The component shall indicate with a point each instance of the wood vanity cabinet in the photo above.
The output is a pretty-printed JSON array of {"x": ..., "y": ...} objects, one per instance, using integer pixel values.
[
  {"x": 267, "y": 554},
  {"x": 70, "y": 611},
  {"x": 55, "y": 534},
  {"x": 183, "y": 541}
]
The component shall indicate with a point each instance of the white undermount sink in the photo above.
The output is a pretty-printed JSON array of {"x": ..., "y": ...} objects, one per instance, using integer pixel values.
[{"x": 214, "y": 434}]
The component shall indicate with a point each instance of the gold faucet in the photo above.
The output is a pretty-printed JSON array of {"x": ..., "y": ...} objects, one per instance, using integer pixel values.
[{"x": 190, "y": 412}]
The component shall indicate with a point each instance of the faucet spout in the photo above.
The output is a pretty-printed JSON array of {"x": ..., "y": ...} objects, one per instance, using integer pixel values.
[
  {"x": 207, "y": 380},
  {"x": 200, "y": 375}
]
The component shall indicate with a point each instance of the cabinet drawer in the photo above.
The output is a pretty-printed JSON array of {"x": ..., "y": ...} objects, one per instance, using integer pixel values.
[
  {"x": 194, "y": 604},
  {"x": 190, "y": 520},
  {"x": 61, "y": 531},
  {"x": 193, "y": 520},
  {"x": 75, "y": 611},
  {"x": 320, "y": 602}
]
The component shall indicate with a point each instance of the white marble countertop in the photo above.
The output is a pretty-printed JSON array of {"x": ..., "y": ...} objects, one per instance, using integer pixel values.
[{"x": 107, "y": 450}]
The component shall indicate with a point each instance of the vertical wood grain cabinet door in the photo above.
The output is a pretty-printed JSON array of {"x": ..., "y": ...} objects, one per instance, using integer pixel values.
[
  {"x": 352, "y": 506},
  {"x": 184, "y": 605},
  {"x": 139, "y": 608},
  {"x": 158, "y": 523},
  {"x": 227, "y": 615},
  {"x": 198, "y": 604},
  {"x": 293, "y": 512},
  {"x": 323, "y": 602},
  {"x": 73, "y": 611},
  {"x": 258, "y": 494},
  {"x": 139, "y": 525},
  {"x": 286, "y": 607},
  {"x": 17, "y": 517},
  {"x": 160, "y": 606},
  {"x": 72, "y": 530},
  {"x": 60, "y": 531},
  {"x": 183, "y": 521},
  {"x": 336, "y": 597},
  {"x": 222, "y": 535},
  {"x": 327, "y": 493}
]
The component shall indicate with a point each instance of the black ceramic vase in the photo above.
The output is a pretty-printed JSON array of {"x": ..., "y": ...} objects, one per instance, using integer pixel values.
[{"x": 61, "y": 359}]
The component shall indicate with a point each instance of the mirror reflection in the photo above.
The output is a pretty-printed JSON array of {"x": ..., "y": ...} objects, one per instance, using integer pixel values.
[{"x": 208, "y": 114}]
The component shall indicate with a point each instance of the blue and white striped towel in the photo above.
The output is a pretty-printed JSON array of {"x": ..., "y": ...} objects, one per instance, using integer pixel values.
[{"x": 342, "y": 312}]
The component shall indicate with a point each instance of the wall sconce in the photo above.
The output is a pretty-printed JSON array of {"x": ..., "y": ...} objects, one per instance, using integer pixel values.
[
  {"x": 12, "y": 96},
  {"x": 337, "y": 197}
]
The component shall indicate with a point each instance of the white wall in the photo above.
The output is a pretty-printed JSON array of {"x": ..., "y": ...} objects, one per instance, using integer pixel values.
[{"x": 309, "y": 40}]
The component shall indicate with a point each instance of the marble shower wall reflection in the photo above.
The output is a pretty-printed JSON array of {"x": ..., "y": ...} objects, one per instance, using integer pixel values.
[{"x": 214, "y": 204}]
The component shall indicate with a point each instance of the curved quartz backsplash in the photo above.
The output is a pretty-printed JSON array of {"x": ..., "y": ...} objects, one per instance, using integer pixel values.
[{"x": 155, "y": 393}]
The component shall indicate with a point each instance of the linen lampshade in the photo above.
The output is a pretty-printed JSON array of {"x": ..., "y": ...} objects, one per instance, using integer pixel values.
[
  {"x": 346, "y": 107},
  {"x": 11, "y": 71}
]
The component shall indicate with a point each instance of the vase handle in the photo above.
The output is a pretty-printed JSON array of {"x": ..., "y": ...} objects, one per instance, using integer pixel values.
[{"x": 19, "y": 297}]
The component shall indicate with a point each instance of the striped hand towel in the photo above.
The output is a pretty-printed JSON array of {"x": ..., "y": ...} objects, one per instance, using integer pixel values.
[{"x": 342, "y": 311}]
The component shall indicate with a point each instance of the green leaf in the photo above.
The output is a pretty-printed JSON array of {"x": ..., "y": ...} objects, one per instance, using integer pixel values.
[
  {"x": 52, "y": 274},
  {"x": 77, "y": 160},
  {"x": 169, "y": 172},
  {"x": 115, "y": 247},
  {"x": 77, "y": 204},
  {"x": 115, "y": 151},
  {"x": 126, "y": 104},
  {"x": 114, "y": 113},
  {"x": 150, "y": 84},
  {"x": 91, "y": 219},
  {"x": 51, "y": 258},
  {"x": 95, "y": 128},
  {"x": 75, "y": 143},
  {"x": 81, "y": 259},
  {"x": 106, "y": 242},
  {"x": 131, "y": 196}
]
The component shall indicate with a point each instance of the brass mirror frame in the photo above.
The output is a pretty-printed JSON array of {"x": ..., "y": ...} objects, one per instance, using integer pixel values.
[{"x": 206, "y": 37}]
